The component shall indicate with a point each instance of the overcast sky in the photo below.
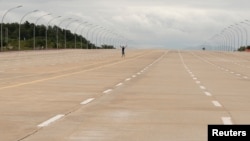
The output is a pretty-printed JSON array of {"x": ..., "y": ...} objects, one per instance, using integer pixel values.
[{"x": 144, "y": 23}]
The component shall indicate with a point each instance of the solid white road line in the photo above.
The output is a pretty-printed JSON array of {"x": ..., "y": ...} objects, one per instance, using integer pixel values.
[
  {"x": 107, "y": 91},
  {"x": 216, "y": 103},
  {"x": 227, "y": 120},
  {"x": 51, "y": 120},
  {"x": 87, "y": 101}
]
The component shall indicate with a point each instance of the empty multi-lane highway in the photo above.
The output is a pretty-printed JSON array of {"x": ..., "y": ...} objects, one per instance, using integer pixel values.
[{"x": 96, "y": 95}]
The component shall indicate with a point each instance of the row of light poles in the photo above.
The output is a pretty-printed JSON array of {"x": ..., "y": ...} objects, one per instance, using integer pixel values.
[
  {"x": 2, "y": 23},
  {"x": 99, "y": 30},
  {"x": 19, "y": 38},
  {"x": 34, "y": 31},
  {"x": 19, "y": 31},
  {"x": 231, "y": 38}
]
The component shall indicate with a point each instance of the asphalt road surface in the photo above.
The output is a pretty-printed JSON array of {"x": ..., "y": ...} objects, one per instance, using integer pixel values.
[{"x": 96, "y": 95}]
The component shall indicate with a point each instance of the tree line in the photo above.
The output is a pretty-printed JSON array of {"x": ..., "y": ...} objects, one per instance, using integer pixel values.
[
  {"x": 28, "y": 42},
  {"x": 242, "y": 48}
]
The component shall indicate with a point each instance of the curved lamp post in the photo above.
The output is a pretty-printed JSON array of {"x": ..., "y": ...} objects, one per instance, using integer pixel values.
[
  {"x": 77, "y": 28},
  {"x": 106, "y": 38},
  {"x": 46, "y": 32},
  {"x": 34, "y": 34},
  {"x": 233, "y": 30},
  {"x": 245, "y": 32},
  {"x": 241, "y": 33},
  {"x": 101, "y": 37},
  {"x": 57, "y": 44},
  {"x": 96, "y": 29},
  {"x": 88, "y": 33},
  {"x": 88, "y": 24},
  {"x": 65, "y": 38},
  {"x": 19, "y": 46},
  {"x": 2, "y": 24}
]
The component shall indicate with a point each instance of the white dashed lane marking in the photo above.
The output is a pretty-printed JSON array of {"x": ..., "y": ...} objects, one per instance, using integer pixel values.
[
  {"x": 127, "y": 79},
  {"x": 87, "y": 101},
  {"x": 133, "y": 76},
  {"x": 107, "y": 91},
  {"x": 216, "y": 103},
  {"x": 119, "y": 84},
  {"x": 227, "y": 120},
  {"x": 51, "y": 120},
  {"x": 208, "y": 94},
  {"x": 202, "y": 87}
]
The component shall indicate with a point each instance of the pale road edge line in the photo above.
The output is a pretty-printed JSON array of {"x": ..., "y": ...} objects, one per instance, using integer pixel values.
[{"x": 51, "y": 120}]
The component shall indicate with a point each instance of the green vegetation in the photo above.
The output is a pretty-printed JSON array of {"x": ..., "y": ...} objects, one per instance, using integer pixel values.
[
  {"x": 244, "y": 48},
  {"x": 11, "y": 38}
]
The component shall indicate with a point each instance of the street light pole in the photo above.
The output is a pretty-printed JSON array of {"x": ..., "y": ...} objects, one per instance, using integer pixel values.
[
  {"x": 105, "y": 39},
  {"x": 65, "y": 38},
  {"x": 242, "y": 40},
  {"x": 245, "y": 32},
  {"x": 236, "y": 31},
  {"x": 224, "y": 42},
  {"x": 220, "y": 42},
  {"x": 85, "y": 35},
  {"x": 92, "y": 37},
  {"x": 88, "y": 33},
  {"x": 76, "y": 29},
  {"x": 101, "y": 36},
  {"x": 46, "y": 32},
  {"x": 34, "y": 34},
  {"x": 96, "y": 34},
  {"x": 228, "y": 35},
  {"x": 19, "y": 46},
  {"x": 2, "y": 24},
  {"x": 57, "y": 31}
]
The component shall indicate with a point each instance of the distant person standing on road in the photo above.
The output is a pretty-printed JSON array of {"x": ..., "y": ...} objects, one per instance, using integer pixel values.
[{"x": 123, "y": 50}]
